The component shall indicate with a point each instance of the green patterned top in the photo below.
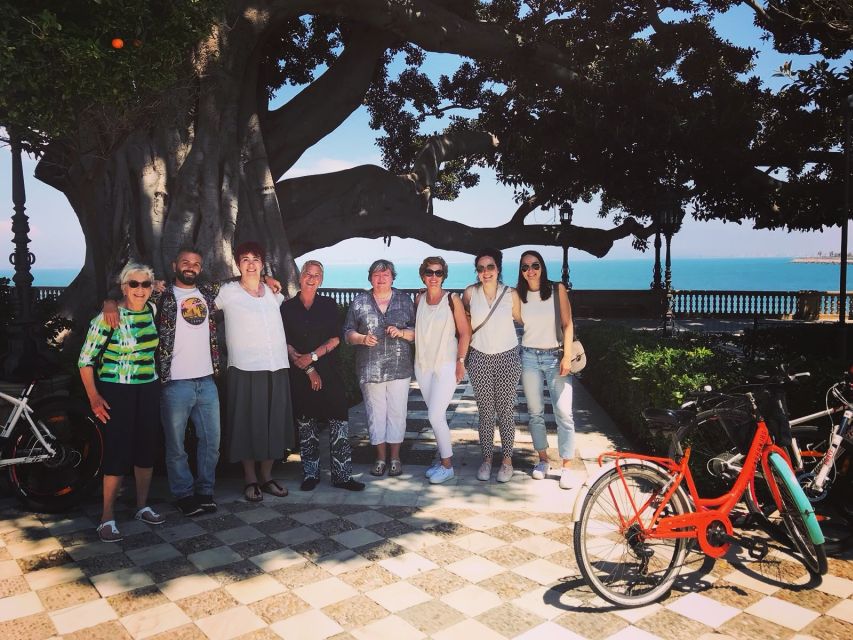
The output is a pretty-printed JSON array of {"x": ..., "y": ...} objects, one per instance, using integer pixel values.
[{"x": 129, "y": 356}]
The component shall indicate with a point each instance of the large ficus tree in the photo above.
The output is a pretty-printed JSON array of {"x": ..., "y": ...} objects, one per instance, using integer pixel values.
[{"x": 154, "y": 119}]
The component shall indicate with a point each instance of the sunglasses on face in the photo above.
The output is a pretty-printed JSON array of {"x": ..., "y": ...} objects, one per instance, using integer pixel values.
[
  {"x": 438, "y": 273},
  {"x": 486, "y": 267},
  {"x": 533, "y": 265},
  {"x": 133, "y": 284}
]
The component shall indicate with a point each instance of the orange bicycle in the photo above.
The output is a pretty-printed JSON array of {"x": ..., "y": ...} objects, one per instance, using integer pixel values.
[{"x": 636, "y": 518}]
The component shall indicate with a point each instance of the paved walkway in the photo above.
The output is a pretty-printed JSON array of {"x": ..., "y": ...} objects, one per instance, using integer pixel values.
[{"x": 401, "y": 560}]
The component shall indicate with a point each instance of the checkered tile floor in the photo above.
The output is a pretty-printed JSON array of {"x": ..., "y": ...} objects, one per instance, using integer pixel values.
[{"x": 400, "y": 560}]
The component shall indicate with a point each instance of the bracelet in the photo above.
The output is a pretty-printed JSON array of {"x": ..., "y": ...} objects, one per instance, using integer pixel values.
[{"x": 309, "y": 369}]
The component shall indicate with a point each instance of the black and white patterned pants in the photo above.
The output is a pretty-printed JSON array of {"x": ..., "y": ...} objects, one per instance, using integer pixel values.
[
  {"x": 494, "y": 377},
  {"x": 341, "y": 453}
]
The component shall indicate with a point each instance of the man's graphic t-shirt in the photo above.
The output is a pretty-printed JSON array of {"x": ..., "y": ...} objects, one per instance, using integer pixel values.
[{"x": 191, "y": 356}]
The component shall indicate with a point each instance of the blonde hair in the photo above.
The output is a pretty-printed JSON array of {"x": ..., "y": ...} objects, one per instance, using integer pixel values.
[
  {"x": 132, "y": 267},
  {"x": 312, "y": 263}
]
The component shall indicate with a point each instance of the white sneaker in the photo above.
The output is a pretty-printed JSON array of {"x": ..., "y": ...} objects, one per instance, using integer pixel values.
[
  {"x": 505, "y": 473},
  {"x": 568, "y": 479},
  {"x": 435, "y": 466},
  {"x": 442, "y": 474},
  {"x": 484, "y": 472},
  {"x": 541, "y": 470}
]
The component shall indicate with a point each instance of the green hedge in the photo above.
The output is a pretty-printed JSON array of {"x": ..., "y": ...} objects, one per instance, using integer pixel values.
[{"x": 630, "y": 370}]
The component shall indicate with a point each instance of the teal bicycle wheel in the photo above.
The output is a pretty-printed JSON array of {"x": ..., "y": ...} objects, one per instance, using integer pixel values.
[{"x": 798, "y": 516}]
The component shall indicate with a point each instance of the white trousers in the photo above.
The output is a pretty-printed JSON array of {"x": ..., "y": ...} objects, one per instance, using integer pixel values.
[
  {"x": 437, "y": 388},
  {"x": 386, "y": 404}
]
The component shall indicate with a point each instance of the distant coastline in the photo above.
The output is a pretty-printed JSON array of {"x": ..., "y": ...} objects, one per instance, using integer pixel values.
[{"x": 822, "y": 260}]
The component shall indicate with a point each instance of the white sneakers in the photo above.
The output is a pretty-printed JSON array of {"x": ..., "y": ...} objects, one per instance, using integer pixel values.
[
  {"x": 435, "y": 466},
  {"x": 484, "y": 472},
  {"x": 504, "y": 473},
  {"x": 541, "y": 470},
  {"x": 441, "y": 474},
  {"x": 568, "y": 479}
]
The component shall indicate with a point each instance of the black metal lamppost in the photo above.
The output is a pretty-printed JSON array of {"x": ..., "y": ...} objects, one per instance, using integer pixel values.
[
  {"x": 24, "y": 359},
  {"x": 657, "y": 282},
  {"x": 845, "y": 217},
  {"x": 566, "y": 212},
  {"x": 669, "y": 223}
]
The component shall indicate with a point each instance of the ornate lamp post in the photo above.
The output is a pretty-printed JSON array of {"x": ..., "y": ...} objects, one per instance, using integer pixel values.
[
  {"x": 24, "y": 359},
  {"x": 845, "y": 217},
  {"x": 669, "y": 224},
  {"x": 657, "y": 282},
  {"x": 566, "y": 212}
]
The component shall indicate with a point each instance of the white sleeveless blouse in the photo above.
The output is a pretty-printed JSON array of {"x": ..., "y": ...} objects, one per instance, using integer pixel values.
[
  {"x": 498, "y": 334},
  {"x": 435, "y": 334},
  {"x": 540, "y": 330}
]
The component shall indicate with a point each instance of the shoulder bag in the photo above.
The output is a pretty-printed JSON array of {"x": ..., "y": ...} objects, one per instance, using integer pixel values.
[{"x": 578, "y": 361}]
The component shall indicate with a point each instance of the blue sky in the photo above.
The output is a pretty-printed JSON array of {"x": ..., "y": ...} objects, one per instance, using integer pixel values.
[{"x": 58, "y": 242}]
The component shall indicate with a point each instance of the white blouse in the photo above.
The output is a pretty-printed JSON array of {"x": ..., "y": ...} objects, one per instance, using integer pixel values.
[
  {"x": 254, "y": 331},
  {"x": 540, "y": 328},
  {"x": 435, "y": 334},
  {"x": 498, "y": 334}
]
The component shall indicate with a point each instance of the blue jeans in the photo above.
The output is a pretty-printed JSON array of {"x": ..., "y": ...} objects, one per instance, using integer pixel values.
[
  {"x": 543, "y": 365},
  {"x": 181, "y": 400}
]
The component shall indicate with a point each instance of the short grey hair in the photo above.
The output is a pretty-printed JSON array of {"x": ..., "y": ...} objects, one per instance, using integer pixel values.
[
  {"x": 132, "y": 267},
  {"x": 312, "y": 263},
  {"x": 382, "y": 265}
]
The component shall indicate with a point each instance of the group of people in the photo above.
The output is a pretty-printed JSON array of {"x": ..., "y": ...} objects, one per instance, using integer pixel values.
[
  {"x": 144, "y": 366},
  {"x": 476, "y": 334}
]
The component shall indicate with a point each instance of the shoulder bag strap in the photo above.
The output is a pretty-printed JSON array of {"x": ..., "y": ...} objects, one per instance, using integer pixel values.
[
  {"x": 558, "y": 320},
  {"x": 491, "y": 311},
  {"x": 99, "y": 357}
]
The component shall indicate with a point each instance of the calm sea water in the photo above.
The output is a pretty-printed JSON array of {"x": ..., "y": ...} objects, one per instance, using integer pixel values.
[{"x": 749, "y": 274}]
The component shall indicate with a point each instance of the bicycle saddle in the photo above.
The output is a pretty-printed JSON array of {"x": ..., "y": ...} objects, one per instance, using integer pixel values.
[{"x": 674, "y": 418}]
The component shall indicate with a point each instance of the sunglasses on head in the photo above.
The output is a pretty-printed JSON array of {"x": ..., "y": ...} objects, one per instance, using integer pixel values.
[
  {"x": 133, "y": 284},
  {"x": 438, "y": 273},
  {"x": 533, "y": 265},
  {"x": 487, "y": 267}
]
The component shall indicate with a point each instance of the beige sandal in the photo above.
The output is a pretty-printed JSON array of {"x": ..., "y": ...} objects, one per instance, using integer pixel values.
[
  {"x": 378, "y": 468},
  {"x": 396, "y": 468}
]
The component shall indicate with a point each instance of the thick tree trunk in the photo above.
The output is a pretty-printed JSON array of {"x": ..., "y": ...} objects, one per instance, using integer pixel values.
[{"x": 180, "y": 181}]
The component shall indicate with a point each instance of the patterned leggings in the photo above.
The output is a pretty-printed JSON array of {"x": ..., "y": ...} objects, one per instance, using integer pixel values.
[
  {"x": 494, "y": 377},
  {"x": 338, "y": 446}
]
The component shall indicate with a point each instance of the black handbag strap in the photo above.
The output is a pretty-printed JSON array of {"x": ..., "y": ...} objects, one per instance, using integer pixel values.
[
  {"x": 491, "y": 311},
  {"x": 99, "y": 357}
]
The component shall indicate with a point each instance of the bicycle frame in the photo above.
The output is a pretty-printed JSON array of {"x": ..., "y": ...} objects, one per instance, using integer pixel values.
[
  {"x": 709, "y": 514},
  {"x": 22, "y": 409}
]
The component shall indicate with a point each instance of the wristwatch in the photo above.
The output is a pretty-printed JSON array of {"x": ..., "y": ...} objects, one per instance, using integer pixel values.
[
  {"x": 462, "y": 360},
  {"x": 314, "y": 356}
]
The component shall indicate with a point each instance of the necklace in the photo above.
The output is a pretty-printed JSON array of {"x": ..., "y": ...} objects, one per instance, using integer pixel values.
[
  {"x": 382, "y": 300},
  {"x": 257, "y": 293}
]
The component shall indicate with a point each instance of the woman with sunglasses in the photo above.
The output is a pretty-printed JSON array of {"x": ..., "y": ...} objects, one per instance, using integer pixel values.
[
  {"x": 117, "y": 370},
  {"x": 544, "y": 360},
  {"x": 493, "y": 361},
  {"x": 439, "y": 356}
]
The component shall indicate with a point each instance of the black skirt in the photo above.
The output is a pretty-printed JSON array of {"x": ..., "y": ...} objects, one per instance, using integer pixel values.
[{"x": 259, "y": 415}]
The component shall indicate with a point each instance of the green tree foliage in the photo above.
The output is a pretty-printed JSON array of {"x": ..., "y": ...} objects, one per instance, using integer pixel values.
[{"x": 85, "y": 63}]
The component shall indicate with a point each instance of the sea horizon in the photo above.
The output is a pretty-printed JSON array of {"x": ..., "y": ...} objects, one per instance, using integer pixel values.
[{"x": 740, "y": 274}]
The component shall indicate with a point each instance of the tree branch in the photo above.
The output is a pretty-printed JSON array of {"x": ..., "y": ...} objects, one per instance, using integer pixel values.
[
  {"x": 370, "y": 202},
  {"x": 325, "y": 103},
  {"x": 442, "y": 149},
  {"x": 434, "y": 27}
]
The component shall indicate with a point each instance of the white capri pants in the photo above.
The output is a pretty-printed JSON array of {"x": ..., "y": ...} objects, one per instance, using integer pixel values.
[
  {"x": 437, "y": 388},
  {"x": 386, "y": 404}
]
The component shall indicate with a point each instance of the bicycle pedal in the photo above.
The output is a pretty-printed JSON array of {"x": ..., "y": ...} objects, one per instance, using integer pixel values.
[{"x": 757, "y": 548}]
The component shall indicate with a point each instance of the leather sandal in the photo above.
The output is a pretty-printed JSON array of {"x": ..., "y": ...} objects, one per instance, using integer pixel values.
[
  {"x": 274, "y": 489},
  {"x": 396, "y": 467},
  {"x": 378, "y": 468},
  {"x": 255, "y": 494}
]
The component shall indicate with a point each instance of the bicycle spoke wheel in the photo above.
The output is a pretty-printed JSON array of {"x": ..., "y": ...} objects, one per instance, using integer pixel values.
[
  {"x": 714, "y": 459},
  {"x": 813, "y": 555},
  {"x": 63, "y": 480},
  {"x": 618, "y": 561}
]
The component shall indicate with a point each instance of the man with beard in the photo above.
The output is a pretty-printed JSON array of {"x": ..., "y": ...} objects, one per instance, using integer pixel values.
[{"x": 188, "y": 360}]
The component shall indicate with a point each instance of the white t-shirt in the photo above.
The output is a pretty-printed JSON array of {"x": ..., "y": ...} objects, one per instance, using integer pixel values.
[
  {"x": 191, "y": 353},
  {"x": 254, "y": 331}
]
